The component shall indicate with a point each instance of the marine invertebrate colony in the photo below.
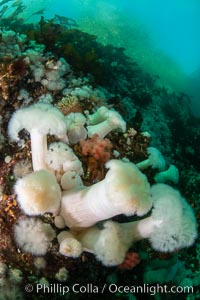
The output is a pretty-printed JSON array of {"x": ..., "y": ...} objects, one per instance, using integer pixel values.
[
  {"x": 171, "y": 226},
  {"x": 124, "y": 190}
]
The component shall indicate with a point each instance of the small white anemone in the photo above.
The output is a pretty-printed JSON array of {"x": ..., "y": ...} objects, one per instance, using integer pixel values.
[
  {"x": 155, "y": 160},
  {"x": 75, "y": 127},
  {"x": 61, "y": 158},
  {"x": 104, "y": 121},
  {"x": 69, "y": 245},
  {"x": 62, "y": 275},
  {"x": 70, "y": 180},
  {"x": 98, "y": 116},
  {"x": 170, "y": 175},
  {"x": 40, "y": 263},
  {"x": 59, "y": 222}
]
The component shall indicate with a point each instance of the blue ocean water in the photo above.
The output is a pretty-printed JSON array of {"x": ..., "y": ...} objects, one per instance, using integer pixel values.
[
  {"x": 162, "y": 37},
  {"x": 173, "y": 26}
]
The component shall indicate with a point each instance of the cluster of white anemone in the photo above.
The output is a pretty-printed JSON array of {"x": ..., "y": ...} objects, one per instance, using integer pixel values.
[
  {"x": 11, "y": 42},
  {"x": 56, "y": 187}
]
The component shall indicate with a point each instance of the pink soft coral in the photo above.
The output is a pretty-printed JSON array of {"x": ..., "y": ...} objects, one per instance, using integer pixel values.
[
  {"x": 97, "y": 152},
  {"x": 97, "y": 148}
]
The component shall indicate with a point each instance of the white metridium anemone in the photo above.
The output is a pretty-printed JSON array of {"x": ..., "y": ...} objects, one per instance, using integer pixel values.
[
  {"x": 171, "y": 226},
  {"x": 104, "y": 121},
  {"x": 60, "y": 158},
  {"x": 155, "y": 160},
  {"x": 105, "y": 244},
  {"x": 39, "y": 120},
  {"x": 39, "y": 262},
  {"x": 33, "y": 236},
  {"x": 170, "y": 175},
  {"x": 69, "y": 245},
  {"x": 124, "y": 190},
  {"x": 75, "y": 127},
  {"x": 71, "y": 180},
  {"x": 62, "y": 275},
  {"x": 38, "y": 193}
]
